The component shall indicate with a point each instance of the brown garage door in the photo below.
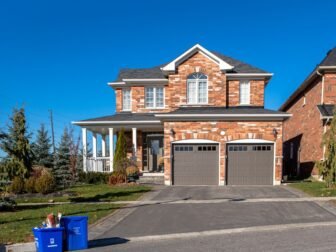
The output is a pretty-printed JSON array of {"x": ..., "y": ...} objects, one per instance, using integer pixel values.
[
  {"x": 195, "y": 164},
  {"x": 250, "y": 164}
]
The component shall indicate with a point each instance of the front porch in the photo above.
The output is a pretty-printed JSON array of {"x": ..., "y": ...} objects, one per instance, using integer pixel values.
[{"x": 144, "y": 145}]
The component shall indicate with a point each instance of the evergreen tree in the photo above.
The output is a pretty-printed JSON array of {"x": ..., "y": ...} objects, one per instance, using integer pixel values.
[
  {"x": 61, "y": 169},
  {"x": 328, "y": 165},
  {"x": 41, "y": 148},
  {"x": 120, "y": 155},
  {"x": 15, "y": 142}
]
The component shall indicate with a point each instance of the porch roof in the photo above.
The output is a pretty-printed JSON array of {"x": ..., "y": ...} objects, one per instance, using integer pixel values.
[
  {"x": 127, "y": 121},
  {"x": 326, "y": 110}
]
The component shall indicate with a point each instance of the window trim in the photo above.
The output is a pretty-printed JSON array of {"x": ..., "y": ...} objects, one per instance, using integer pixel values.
[
  {"x": 249, "y": 91},
  {"x": 130, "y": 98},
  {"x": 154, "y": 97},
  {"x": 197, "y": 90}
]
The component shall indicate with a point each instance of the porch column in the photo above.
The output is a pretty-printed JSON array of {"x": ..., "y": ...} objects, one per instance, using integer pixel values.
[
  {"x": 94, "y": 150},
  {"x": 111, "y": 147},
  {"x": 103, "y": 147},
  {"x": 84, "y": 141},
  {"x": 134, "y": 140}
]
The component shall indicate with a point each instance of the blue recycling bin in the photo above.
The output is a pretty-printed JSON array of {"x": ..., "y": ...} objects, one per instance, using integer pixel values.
[
  {"x": 48, "y": 239},
  {"x": 76, "y": 232}
]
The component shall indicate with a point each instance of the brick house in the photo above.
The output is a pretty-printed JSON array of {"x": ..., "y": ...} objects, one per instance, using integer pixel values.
[
  {"x": 198, "y": 120},
  {"x": 311, "y": 106}
]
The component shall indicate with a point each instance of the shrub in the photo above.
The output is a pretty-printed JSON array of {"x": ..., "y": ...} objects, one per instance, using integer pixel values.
[
  {"x": 29, "y": 185},
  {"x": 17, "y": 185},
  {"x": 45, "y": 183},
  {"x": 7, "y": 204},
  {"x": 132, "y": 171},
  {"x": 117, "y": 177},
  {"x": 93, "y": 177}
]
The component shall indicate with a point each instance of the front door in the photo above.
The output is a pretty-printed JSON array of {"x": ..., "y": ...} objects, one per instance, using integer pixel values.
[{"x": 155, "y": 153}]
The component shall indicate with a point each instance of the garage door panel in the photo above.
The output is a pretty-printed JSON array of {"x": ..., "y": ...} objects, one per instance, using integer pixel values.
[
  {"x": 195, "y": 164},
  {"x": 249, "y": 164}
]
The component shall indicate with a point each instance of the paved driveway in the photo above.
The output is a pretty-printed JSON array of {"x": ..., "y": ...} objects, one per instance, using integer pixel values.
[{"x": 159, "y": 219}]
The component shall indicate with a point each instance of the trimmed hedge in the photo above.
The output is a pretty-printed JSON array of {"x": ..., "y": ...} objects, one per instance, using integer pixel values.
[{"x": 93, "y": 177}]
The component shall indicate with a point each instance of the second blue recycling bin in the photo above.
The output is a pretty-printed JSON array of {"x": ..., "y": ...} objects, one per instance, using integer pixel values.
[{"x": 76, "y": 232}]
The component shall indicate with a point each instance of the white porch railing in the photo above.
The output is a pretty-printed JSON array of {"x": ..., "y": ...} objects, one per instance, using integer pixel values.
[{"x": 98, "y": 164}]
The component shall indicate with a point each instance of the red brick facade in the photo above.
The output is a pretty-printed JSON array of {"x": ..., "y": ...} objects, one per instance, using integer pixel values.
[
  {"x": 330, "y": 88},
  {"x": 222, "y": 132},
  {"x": 221, "y": 92},
  {"x": 303, "y": 132}
]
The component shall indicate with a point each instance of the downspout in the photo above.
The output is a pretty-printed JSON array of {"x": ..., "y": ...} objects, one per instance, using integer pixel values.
[
  {"x": 324, "y": 131},
  {"x": 322, "y": 92}
]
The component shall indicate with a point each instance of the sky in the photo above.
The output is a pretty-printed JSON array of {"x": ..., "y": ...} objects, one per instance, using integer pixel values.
[{"x": 59, "y": 55}]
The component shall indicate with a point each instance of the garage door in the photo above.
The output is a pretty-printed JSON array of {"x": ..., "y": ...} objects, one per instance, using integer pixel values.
[
  {"x": 195, "y": 164},
  {"x": 250, "y": 164}
]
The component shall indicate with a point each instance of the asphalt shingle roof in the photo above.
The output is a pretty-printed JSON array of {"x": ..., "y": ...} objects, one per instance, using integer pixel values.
[
  {"x": 156, "y": 73},
  {"x": 124, "y": 117},
  {"x": 225, "y": 110},
  {"x": 330, "y": 59},
  {"x": 326, "y": 110}
]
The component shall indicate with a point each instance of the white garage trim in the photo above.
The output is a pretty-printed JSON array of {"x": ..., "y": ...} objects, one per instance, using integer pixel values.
[
  {"x": 249, "y": 141},
  {"x": 194, "y": 141},
  {"x": 256, "y": 141}
]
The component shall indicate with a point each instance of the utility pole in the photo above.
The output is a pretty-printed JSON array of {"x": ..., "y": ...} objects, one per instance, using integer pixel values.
[{"x": 52, "y": 131}]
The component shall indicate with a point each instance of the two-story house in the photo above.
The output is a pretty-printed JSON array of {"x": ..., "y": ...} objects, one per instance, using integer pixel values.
[
  {"x": 202, "y": 115},
  {"x": 312, "y": 106}
]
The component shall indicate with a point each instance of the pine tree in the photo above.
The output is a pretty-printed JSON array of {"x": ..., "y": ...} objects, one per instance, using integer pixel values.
[
  {"x": 41, "y": 148},
  {"x": 120, "y": 155},
  {"x": 15, "y": 142},
  {"x": 328, "y": 165},
  {"x": 61, "y": 169}
]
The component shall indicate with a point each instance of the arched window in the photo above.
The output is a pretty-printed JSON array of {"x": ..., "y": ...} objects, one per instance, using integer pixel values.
[{"x": 197, "y": 88}]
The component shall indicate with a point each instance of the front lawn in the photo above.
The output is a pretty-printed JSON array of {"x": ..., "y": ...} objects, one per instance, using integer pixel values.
[
  {"x": 314, "y": 188},
  {"x": 16, "y": 226},
  {"x": 101, "y": 192}
]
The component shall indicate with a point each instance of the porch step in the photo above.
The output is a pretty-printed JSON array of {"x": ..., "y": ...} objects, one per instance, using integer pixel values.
[{"x": 151, "y": 179}]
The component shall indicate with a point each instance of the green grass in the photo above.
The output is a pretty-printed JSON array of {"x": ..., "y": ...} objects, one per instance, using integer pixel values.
[
  {"x": 16, "y": 226},
  {"x": 314, "y": 188},
  {"x": 101, "y": 192}
]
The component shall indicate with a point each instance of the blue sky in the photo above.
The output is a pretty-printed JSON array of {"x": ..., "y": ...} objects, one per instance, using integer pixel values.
[{"x": 60, "y": 55}]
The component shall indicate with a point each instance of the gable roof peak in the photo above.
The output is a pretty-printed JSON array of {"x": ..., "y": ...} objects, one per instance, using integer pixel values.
[{"x": 171, "y": 66}]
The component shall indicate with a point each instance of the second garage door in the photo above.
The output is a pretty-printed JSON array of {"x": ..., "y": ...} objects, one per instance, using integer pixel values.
[
  {"x": 195, "y": 164},
  {"x": 250, "y": 164}
]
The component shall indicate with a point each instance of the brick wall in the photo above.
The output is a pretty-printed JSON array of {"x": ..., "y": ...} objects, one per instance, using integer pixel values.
[
  {"x": 304, "y": 132},
  {"x": 330, "y": 88},
  {"x": 220, "y": 91},
  {"x": 214, "y": 131}
]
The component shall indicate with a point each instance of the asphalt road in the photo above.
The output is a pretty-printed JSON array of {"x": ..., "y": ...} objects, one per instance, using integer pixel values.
[{"x": 301, "y": 239}]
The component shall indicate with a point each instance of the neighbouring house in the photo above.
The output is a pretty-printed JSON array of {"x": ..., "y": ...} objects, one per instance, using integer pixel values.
[
  {"x": 198, "y": 120},
  {"x": 312, "y": 106}
]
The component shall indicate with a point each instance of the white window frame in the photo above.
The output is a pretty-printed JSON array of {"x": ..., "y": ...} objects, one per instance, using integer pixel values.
[
  {"x": 248, "y": 102},
  {"x": 154, "y": 98},
  {"x": 197, "y": 80},
  {"x": 130, "y": 99}
]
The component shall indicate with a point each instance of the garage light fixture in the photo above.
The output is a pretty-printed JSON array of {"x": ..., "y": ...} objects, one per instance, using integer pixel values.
[
  {"x": 172, "y": 132},
  {"x": 275, "y": 132}
]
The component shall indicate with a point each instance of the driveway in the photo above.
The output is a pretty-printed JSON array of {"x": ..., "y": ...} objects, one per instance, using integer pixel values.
[{"x": 161, "y": 219}]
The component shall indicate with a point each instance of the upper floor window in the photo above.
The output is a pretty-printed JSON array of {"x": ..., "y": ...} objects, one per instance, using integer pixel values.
[
  {"x": 197, "y": 88},
  {"x": 244, "y": 92},
  {"x": 154, "y": 97},
  {"x": 126, "y": 99}
]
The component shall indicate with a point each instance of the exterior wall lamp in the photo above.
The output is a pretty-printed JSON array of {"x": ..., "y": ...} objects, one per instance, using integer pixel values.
[
  {"x": 172, "y": 132},
  {"x": 275, "y": 133}
]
